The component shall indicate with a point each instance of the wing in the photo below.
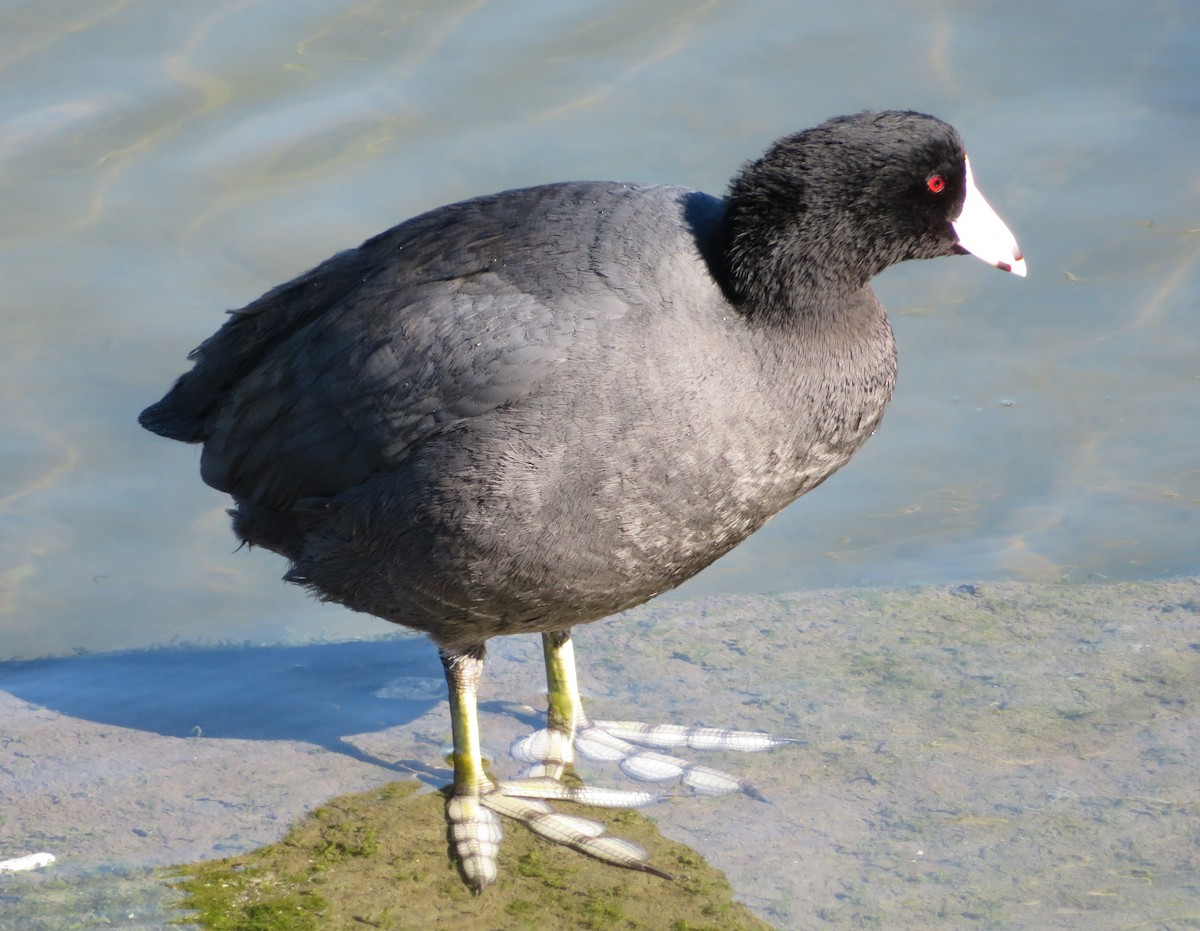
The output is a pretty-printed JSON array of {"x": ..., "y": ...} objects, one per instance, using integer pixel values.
[{"x": 335, "y": 375}]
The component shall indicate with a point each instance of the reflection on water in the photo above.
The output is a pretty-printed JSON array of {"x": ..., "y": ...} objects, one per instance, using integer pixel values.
[{"x": 162, "y": 162}]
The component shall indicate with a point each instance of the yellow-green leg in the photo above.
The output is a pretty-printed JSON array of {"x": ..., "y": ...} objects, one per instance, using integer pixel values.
[
  {"x": 473, "y": 810},
  {"x": 564, "y": 714},
  {"x": 475, "y": 828}
]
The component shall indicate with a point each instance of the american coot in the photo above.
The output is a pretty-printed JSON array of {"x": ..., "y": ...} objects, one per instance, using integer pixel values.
[{"x": 531, "y": 410}]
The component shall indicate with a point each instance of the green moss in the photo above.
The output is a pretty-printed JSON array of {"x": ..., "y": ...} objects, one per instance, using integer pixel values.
[
  {"x": 380, "y": 860},
  {"x": 229, "y": 896}
]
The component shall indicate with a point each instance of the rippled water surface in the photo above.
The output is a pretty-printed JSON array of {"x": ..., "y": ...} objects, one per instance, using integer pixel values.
[{"x": 162, "y": 162}]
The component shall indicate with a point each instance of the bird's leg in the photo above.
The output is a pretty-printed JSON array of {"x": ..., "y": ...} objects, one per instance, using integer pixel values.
[
  {"x": 550, "y": 752},
  {"x": 564, "y": 711},
  {"x": 475, "y": 828},
  {"x": 555, "y": 755},
  {"x": 472, "y": 809}
]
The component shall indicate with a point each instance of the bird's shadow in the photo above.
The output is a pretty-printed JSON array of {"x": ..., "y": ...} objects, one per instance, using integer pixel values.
[{"x": 316, "y": 693}]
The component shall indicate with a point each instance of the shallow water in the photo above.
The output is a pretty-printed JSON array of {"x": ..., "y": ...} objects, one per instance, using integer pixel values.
[
  {"x": 981, "y": 756},
  {"x": 162, "y": 162}
]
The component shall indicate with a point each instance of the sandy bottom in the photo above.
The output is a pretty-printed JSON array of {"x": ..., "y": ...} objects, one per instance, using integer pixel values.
[{"x": 991, "y": 756}]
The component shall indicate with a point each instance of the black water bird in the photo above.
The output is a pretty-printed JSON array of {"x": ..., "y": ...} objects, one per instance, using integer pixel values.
[{"x": 534, "y": 409}]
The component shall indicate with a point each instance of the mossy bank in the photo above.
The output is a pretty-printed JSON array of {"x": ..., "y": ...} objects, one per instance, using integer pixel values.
[{"x": 380, "y": 859}]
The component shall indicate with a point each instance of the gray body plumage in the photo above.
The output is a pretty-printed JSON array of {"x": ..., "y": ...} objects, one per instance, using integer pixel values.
[{"x": 529, "y": 410}]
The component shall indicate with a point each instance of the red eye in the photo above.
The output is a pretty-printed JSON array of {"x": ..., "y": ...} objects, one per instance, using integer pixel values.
[{"x": 936, "y": 183}]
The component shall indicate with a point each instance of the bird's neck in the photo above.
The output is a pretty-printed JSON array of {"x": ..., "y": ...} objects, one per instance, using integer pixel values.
[{"x": 780, "y": 271}]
